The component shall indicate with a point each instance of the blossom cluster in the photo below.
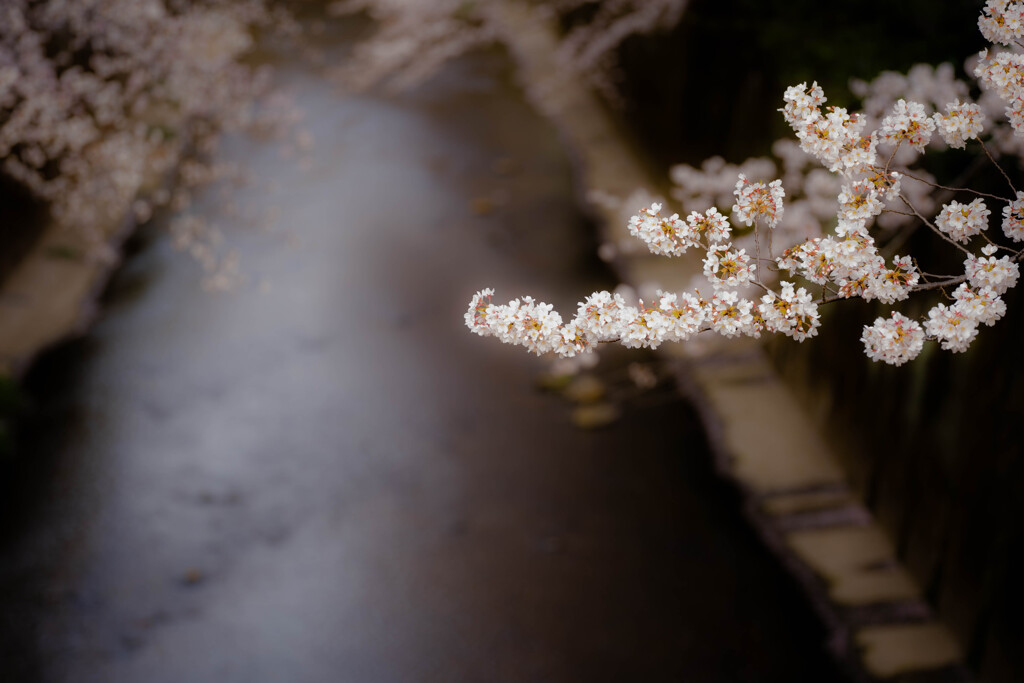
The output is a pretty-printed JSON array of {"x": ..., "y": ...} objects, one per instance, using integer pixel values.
[
  {"x": 90, "y": 91},
  {"x": 757, "y": 200},
  {"x": 859, "y": 188},
  {"x": 963, "y": 221},
  {"x": 113, "y": 108},
  {"x": 1003, "y": 74},
  {"x": 1002, "y": 21},
  {"x": 607, "y": 317},
  {"x": 602, "y": 317},
  {"x": 960, "y": 123},
  {"x": 908, "y": 123}
]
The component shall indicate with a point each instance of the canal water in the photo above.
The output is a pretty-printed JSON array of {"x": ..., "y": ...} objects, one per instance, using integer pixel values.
[{"x": 321, "y": 476}]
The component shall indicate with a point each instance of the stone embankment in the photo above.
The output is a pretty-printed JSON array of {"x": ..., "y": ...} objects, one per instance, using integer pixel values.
[{"x": 796, "y": 492}]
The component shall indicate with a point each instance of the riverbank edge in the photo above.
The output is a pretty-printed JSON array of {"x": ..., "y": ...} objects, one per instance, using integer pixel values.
[
  {"x": 53, "y": 292},
  {"x": 796, "y": 493}
]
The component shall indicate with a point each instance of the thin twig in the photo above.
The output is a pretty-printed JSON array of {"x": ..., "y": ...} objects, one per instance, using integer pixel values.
[
  {"x": 916, "y": 288},
  {"x": 950, "y": 280},
  {"x": 996, "y": 164},
  {"x": 897, "y": 240},
  {"x": 761, "y": 285},
  {"x": 757, "y": 242},
  {"x": 933, "y": 227},
  {"x": 888, "y": 162},
  {"x": 958, "y": 189}
]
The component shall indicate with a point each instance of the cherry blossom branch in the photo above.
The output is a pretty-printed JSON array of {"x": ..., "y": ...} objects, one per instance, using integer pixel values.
[{"x": 846, "y": 264}]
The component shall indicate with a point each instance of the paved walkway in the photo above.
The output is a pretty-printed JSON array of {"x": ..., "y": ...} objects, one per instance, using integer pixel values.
[{"x": 323, "y": 477}]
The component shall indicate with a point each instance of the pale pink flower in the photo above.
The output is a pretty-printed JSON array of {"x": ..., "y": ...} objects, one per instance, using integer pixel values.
[
  {"x": 727, "y": 268},
  {"x": 757, "y": 200},
  {"x": 988, "y": 271},
  {"x": 791, "y": 312},
  {"x": 953, "y": 328},
  {"x": 731, "y": 315},
  {"x": 669, "y": 236},
  {"x": 983, "y": 305},
  {"x": 1001, "y": 21},
  {"x": 907, "y": 123},
  {"x": 960, "y": 123},
  {"x": 1013, "y": 218},
  {"x": 894, "y": 341},
  {"x": 963, "y": 221},
  {"x": 712, "y": 225}
]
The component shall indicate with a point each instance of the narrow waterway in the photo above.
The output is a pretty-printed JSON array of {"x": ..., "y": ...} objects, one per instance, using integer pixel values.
[{"x": 322, "y": 477}]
